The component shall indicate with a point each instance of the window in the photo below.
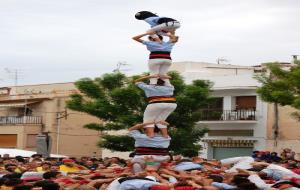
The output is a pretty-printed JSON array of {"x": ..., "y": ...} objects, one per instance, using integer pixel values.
[
  {"x": 31, "y": 141},
  {"x": 8, "y": 141},
  {"x": 245, "y": 102}
]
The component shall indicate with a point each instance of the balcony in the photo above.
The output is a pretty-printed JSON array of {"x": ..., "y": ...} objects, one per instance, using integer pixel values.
[
  {"x": 227, "y": 116},
  {"x": 17, "y": 120}
]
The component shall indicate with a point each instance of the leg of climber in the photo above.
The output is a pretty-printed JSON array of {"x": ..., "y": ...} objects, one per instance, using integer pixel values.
[
  {"x": 163, "y": 70},
  {"x": 149, "y": 116},
  {"x": 154, "y": 68},
  {"x": 168, "y": 108}
]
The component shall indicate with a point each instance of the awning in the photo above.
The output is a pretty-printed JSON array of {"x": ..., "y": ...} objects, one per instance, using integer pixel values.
[
  {"x": 230, "y": 142},
  {"x": 17, "y": 104}
]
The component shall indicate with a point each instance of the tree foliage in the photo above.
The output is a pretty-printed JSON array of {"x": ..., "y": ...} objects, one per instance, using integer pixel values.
[
  {"x": 281, "y": 86},
  {"x": 119, "y": 104}
]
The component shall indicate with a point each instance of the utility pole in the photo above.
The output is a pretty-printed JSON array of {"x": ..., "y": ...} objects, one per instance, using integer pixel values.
[{"x": 59, "y": 116}]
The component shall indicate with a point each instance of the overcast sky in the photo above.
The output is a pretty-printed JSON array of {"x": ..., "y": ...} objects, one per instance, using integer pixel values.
[{"x": 64, "y": 40}]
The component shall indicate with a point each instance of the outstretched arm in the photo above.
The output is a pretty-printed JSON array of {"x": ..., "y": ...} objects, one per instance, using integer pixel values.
[
  {"x": 138, "y": 37},
  {"x": 146, "y": 77},
  {"x": 139, "y": 126},
  {"x": 172, "y": 37}
]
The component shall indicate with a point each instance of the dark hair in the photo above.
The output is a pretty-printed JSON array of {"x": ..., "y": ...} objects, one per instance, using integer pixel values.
[
  {"x": 13, "y": 182},
  {"x": 97, "y": 177},
  {"x": 8, "y": 165},
  {"x": 144, "y": 14},
  {"x": 156, "y": 129},
  {"x": 216, "y": 178},
  {"x": 23, "y": 187},
  {"x": 50, "y": 186},
  {"x": 20, "y": 159},
  {"x": 2, "y": 181},
  {"x": 247, "y": 186},
  {"x": 41, "y": 183},
  {"x": 160, "y": 82},
  {"x": 152, "y": 39},
  {"x": 132, "y": 154},
  {"x": 49, "y": 175},
  {"x": 238, "y": 179},
  {"x": 278, "y": 184},
  {"x": 12, "y": 176},
  {"x": 46, "y": 163},
  {"x": 160, "y": 37}
]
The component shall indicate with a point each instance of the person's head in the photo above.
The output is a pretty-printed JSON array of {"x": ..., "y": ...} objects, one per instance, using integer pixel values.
[
  {"x": 89, "y": 163},
  {"x": 11, "y": 182},
  {"x": 144, "y": 14},
  {"x": 36, "y": 156},
  {"x": 247, "y": 186},
  {"x": 10, "y": 167},
  {"x": 155, "y": 38},
  {"x": 50, "y": 186},
  {"x": 46, "y": 166},
  {"x": 273, "y": 153},
  {"x": 23, "y": 187},
  {"x": 54, "y": 168},
  {"x": 12, "y": 176},
  {"x": 160, "y": 82},
  {"x": 51, "y": 175},
  {"x": 68, "y": 162},
  {"x": 216, "y": 178},
  {"x": 258, "y": 167},
  {"x": 238, "y": 179},
  {"x": 291, "y": 164},
  {"x": 20, "y": 159}
]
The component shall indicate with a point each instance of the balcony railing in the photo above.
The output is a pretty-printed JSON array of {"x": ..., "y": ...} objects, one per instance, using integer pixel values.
[
  {"x": 227, "y": 115},
  {"x": 12, "y": 120}
]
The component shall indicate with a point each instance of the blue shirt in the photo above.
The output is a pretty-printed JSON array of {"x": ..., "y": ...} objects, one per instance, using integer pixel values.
[
  {"x": 136, "y": 184},
  {"x": 152, "y": 20},
  {"x": 183, "y": 166},
  {"x": 157, "y": 46},
  {"x": 142, "y": 140},
  {"x": 223, "y": 185},
  {"x": 153, "y": 90}
]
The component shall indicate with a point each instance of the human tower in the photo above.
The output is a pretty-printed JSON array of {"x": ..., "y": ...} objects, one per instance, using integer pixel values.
[{"x": 151, "y": 147}]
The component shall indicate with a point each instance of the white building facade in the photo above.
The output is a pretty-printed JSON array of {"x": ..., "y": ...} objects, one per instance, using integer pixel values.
[{"x": 237, "y": 120}]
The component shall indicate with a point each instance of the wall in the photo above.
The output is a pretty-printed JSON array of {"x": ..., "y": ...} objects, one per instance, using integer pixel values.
[{"x": 289, "y": 130}]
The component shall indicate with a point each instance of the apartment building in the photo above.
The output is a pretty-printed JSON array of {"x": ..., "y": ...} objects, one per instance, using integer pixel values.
[
  {"x": 26, "y": 111},
  {"x": 239, "y": 121}
]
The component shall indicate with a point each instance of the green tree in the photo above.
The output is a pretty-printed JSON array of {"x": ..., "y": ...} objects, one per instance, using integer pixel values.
[
  {"x": 280, "y": 87},
  {"x": 119, "y": 104}
]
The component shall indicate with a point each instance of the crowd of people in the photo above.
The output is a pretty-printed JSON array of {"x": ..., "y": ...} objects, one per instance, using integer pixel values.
[{"x": 179, "y": 173}]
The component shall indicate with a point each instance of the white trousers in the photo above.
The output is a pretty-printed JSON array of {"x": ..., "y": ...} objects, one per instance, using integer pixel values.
[
  {"x": 156, "y": 158},
  {"x": 114, "y": 185},
  {"x": 161, "y": 67},
  {"x": 243, "y": 162},
  {"x": 158, "y": 112},
  {"x": 168, "y": 26}
]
